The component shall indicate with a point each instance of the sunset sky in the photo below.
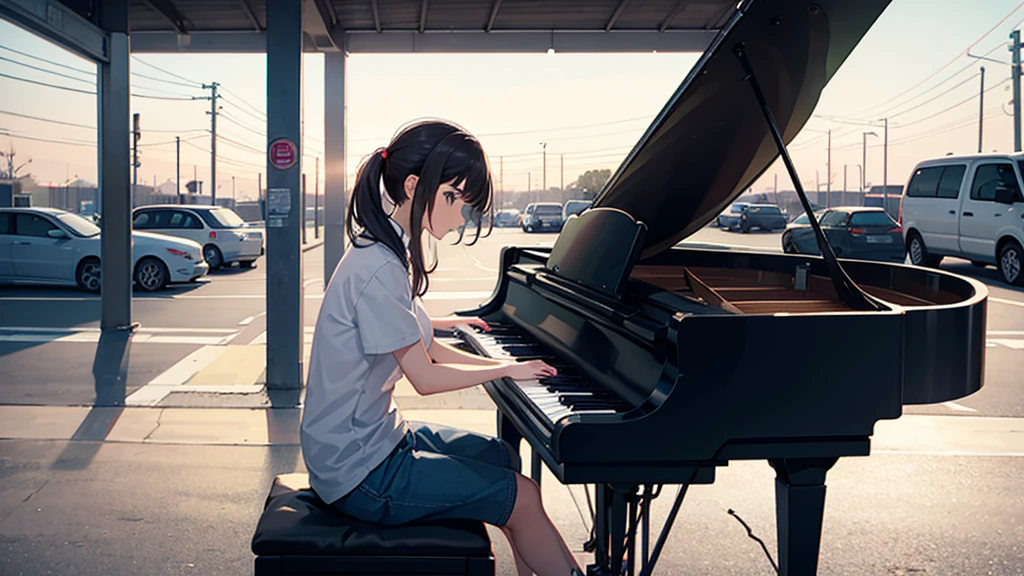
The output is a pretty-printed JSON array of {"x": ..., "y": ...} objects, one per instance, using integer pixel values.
[{"x": 911, "y": 67}]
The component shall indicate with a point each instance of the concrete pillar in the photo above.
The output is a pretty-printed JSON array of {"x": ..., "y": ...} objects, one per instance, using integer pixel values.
[
  {"x": 335, "y": 136},
  {"x": 114, "y": 168},
  {"x": 285, "y": 211}
]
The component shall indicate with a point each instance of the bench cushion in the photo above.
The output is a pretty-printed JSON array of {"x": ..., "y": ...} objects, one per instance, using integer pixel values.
[{"x": 296, "y": 522}]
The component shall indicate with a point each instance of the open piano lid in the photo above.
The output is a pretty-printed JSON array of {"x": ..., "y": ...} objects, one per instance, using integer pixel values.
[{"x": 711, "y": 141}]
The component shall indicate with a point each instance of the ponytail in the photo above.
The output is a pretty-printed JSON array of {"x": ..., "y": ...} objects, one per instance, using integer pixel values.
[{"x": 366, "y": 216}]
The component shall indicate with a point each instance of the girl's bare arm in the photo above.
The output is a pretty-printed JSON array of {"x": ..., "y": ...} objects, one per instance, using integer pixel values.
[{"x": 428, "y": 377}]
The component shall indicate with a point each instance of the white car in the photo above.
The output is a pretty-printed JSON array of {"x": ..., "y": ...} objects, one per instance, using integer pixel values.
[
  {"x": 222, "y": 233},
  {"x": 50, "y": 246},
  {"x": 967, "y": 207}
]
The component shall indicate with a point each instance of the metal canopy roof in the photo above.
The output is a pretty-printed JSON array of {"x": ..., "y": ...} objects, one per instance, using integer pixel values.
[{"x": 430, "y": 25}]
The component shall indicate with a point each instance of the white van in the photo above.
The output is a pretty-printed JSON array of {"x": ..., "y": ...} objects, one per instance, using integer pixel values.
[{"x": 968, "y": 207}]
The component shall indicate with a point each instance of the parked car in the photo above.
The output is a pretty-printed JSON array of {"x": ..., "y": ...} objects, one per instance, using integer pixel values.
[
  {"x": 507, "y": 218},
  {"x": 731, "y": 217},
  {"x": 858, "y": 232},
  {"x": 968, "y": 207},
  {"x": 542, "y": 216},
  {"x": 767, "y": 217},
  {"x": 800, "y": 222},
  {"x": 222, "y": 233},
  {"x": 50, "y": 246},
  {"x": 574, "y": 207}
]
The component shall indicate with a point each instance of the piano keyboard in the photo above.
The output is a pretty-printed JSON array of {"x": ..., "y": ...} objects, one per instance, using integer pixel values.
[{"x": 566, "y": 394}]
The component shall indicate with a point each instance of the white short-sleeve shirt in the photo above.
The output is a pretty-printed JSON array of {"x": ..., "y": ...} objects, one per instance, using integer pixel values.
[{"x": 350, "y": 422}]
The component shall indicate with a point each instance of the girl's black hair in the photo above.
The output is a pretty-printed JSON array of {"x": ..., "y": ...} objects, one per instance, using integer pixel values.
[{"x": 435, "y": 151}]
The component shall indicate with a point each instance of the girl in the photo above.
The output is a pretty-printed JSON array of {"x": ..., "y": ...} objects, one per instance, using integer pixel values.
[{"x": 362, "y": 456}]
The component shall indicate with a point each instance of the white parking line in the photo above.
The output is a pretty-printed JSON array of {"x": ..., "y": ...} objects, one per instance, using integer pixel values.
[
  {"x": 89, "y": 335},
  {"x": 958, "y": 407},
  {"x": 173, "y": 379},
  {"x": 1004, "y": 301},
  {"x": 139, "y": 330},
  {"x": 1015, "y": 344},
  {"x": 247, "y": 321}
]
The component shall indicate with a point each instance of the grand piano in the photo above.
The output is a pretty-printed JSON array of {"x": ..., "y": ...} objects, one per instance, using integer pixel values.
[{"x": 662, "y": 349}]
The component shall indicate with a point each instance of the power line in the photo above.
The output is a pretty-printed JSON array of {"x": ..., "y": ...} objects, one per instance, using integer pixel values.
[
  {"x": 34, "y": 57},
  {"x": 225, "y": 159},
  {"x": 178, "y": 98},
  {"x": 73, "y": 125},
  {"x": 5, "y": 132},
  {"x": 946, "y": 65},
  {"x": 79, "y": 70},
  {"x": 969, "y": 79},
  {"x": 68, "y": 88},
  {"x": 91, "y": 93},
  {"x": 961, "y": 103},
  {"x": 244, "y": 101},
  {"x": 192, "y": 83},
  {"x": 13, "y": 61}
]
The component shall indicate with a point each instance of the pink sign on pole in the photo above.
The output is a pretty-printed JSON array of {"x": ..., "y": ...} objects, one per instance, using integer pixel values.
[{"x": 283, "y": 154}]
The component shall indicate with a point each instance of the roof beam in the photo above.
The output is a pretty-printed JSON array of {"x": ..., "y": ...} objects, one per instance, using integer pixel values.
[
  {"x": 168, "y": 11},
  {"x": 376, "y": 14},
  {"x": 615, "y": 15},
  {"x": 321, "y": 24},
  {"x": 411, "y": 41},
  {"x": 60, "y": 25},
  {"x": 672, "y": 15},
  {"x": 423, "y": 16},
  {"x": 251, "y": 14},
  {"x": 494, "y": 15}
]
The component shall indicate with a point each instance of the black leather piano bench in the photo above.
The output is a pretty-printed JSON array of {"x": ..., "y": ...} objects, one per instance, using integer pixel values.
[{"x": 298, "y": 534}]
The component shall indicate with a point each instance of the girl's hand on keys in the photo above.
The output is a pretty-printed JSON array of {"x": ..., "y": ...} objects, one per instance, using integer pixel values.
[{"x": 530, "y": 370}]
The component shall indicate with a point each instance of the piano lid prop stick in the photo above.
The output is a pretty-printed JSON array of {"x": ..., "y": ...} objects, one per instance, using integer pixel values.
[{"x": 846, "y": 289}]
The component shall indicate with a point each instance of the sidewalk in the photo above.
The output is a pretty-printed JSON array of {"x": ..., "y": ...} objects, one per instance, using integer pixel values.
[{"x": 174, "y": 490}]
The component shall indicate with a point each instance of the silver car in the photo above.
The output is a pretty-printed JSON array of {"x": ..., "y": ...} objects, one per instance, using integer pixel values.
[
  {"x": 50, "y": 246},
  {"x": 222, "y": 233}
]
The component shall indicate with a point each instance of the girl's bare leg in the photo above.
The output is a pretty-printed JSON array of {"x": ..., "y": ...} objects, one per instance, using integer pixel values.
[
  {"x": 522, "y": 568},
  {"x": 535, "y": 538}
]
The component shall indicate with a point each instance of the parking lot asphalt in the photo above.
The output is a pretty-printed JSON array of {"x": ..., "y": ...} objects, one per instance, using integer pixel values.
[
  {"x": 48, "y": 336},
  {"x": 173, "y": 483}
]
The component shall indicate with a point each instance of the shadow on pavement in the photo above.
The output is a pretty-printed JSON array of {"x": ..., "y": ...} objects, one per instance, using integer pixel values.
[{"x": 110, "y": 372}]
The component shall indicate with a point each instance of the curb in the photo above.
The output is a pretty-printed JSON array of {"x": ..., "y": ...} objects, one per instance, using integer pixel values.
[{"x": 312, "y": 245}]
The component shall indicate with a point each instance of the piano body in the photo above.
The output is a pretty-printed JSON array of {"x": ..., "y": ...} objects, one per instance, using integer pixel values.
[{"x": 662, "y": 349}]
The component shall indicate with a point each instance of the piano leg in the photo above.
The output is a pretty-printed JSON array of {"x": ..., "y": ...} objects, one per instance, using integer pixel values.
[
  {"x": 508, "y": 432},
  {"x": 799, "y": 508},
  {"x": 613, "y": 520},
  {"x": 535, "y": 466}
]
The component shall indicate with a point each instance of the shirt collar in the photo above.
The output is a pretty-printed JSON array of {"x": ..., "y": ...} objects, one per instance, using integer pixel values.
[{"x": 401, "y": 233}]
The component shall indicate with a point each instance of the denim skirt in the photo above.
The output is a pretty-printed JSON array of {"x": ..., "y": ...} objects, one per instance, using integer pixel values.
[{"x": 435, "y": 473}]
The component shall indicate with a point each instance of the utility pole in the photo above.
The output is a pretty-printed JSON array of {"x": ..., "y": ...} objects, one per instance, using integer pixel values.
[
  {"x": 828, "y": 173},
  {"x": 302, "y": 211},
  {"x": 981, "y": 108},
  {"x": 232, "y": 192},
  {"x": 544, "y": 178},
  {"x": 212, "y": 87},
  {"x": 316, "y": 200},
  {"x": 885, "y": 168},
  {"x": 259, "y": 196},
  {"x": 136, "y": 135},
  {"x": 529, "y": 183},
  {"x": 864, "y": 159},
  {"x": 501, "y": 181},
  {"x": 1015, "y": 74},
  {"x": 561, "y": 181},
  {"x": 177, "y": 166},
  {"x": 842, "y": 195}
]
